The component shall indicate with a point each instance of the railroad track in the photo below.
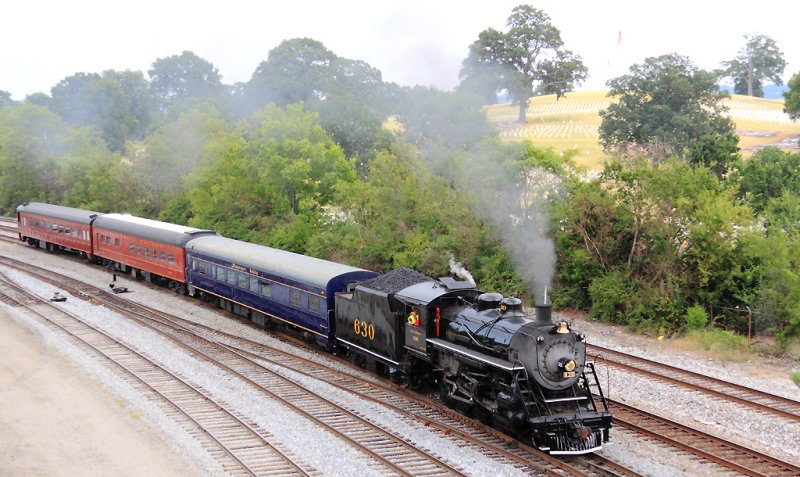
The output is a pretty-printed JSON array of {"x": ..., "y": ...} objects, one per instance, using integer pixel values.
[
  {"x": 713, "y": 449},
  {"x": 411, "y": 406},
  {"x": 395, "y": 455},
  {"x": 274, "y": 372},
  {"x": 753, "y": 398},
  {"x": 239, "y": 446}
]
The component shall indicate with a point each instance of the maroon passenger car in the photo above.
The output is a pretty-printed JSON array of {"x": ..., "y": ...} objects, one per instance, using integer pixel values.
[
  {"x": 153, "y": 250},
  {"x": 56, "y": 227}
]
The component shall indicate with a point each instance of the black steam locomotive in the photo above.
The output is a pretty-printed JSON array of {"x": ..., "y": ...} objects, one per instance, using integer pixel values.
[{"x": 529, "y": 376}]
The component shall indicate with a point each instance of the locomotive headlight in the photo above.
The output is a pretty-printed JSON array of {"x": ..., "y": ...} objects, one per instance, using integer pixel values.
[{"x": 567, "y": 364}]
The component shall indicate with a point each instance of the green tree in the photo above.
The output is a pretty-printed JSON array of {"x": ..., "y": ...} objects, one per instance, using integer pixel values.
[
  {"x": 39, "y": 99},
  {"x": 39, "y": 154},
  {"x": 90, "y": 99},
  {"x": 768, "y": 174},
  {"x": 347, "y": 94},
  {"x": 791, "y": 105},
  {"x": 438, "y": 120},
  {"x": 269, "y": 179},
  {"x": 179, "y": 77},
  {"x": 169, "y": 154},
  {"x": 760, "y": 59},
  {"x": 530, "y": 55},
  {"x": 663, "y": 107},
  {"x": 5, "y": 98},
  {"x": 296, "y": 70}
]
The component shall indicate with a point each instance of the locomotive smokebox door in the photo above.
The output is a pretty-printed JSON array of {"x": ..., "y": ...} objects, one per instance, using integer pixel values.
[{"x": 416, "y": 320}]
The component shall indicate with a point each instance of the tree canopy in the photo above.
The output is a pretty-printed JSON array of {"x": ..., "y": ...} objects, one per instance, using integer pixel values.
[
  {"x": 530, "y": 56},
  {"x": 792, "y": 98},
  {"x": 759, "y": 60},
  {"x": 663, "y": 107},
  {"x": 179, "y": 77}
]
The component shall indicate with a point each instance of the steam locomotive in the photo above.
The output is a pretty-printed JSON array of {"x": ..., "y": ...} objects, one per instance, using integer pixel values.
[{"x": 525, "y": 374}]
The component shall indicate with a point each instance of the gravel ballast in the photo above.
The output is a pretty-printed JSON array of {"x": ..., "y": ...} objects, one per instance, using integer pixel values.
[{"x": 771, "y": 435}]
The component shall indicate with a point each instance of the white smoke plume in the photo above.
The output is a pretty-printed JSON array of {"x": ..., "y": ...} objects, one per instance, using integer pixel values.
[
  {"x": 458, "y": 269},
  {"x": 514, "y": 201}
]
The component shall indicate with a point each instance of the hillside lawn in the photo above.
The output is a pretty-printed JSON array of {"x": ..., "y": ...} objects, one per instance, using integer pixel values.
[{"x": 572, "y": 122}]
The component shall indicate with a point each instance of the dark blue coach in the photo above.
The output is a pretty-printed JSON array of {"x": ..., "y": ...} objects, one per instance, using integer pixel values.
[{"x": 264, "y": 283}]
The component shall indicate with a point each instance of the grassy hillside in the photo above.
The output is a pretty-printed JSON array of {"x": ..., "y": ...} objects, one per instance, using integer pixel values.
[{"x": 572, "y": 123}]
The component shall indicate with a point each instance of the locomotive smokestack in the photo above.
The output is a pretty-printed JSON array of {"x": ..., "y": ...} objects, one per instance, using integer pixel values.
[{"x": 544, "y": 311}]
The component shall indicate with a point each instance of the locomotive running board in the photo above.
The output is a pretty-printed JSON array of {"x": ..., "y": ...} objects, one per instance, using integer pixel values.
[
  {"x": 470, "y": 354},
  {"x": 366, "y": 351}
]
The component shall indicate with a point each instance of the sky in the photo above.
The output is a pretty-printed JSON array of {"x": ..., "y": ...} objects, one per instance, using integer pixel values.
[{"x": 412, "y": 42}]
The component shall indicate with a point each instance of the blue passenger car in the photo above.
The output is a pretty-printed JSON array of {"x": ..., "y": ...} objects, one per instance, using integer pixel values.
[{"x": 265, "y": 283}]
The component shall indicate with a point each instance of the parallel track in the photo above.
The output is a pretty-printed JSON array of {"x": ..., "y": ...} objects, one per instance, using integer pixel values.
[
  {"x": 269, "y": 368},
  {"x": 713, "y": 449},
  {"x": 748, "y": 397},
  {"x": 239, "y": 446}
]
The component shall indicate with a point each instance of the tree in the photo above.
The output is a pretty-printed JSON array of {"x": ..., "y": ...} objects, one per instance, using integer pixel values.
[
  {"x": 179, "y": 77},
  {"x": 530, "y": 55},
  {"x": 296, "y": 70},
  {"x": 769, "y": 174},
  {"x": 663, "y": 107},
  {"x": 434, "y": 120},
  {"x": 90, "y": 99},
  {"x": 791, "y": 105},
  {"x": 759, "y": 60},
  {"x": 268, "y": 180},
  {"x": 5, "y": 98},
  {"x": 170, "y": 153},
  {"x": 42, "y": 158}
]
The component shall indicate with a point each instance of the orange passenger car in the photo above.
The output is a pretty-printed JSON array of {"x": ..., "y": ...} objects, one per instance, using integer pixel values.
[
  {"x": 153, "y": 250},
  {"x": 56, "y": 227}
]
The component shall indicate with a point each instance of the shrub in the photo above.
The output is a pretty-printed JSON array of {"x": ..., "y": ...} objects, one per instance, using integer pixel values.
[
  {"x": 696, "y": 318},
  {"x": 725, "y": 344},
  {"x": 609, "y": 295}
]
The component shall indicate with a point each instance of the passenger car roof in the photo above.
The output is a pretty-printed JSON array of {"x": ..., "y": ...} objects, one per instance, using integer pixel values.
[
  {"x": 292, "y": 266},
  {"x": 72, "y": 214}
]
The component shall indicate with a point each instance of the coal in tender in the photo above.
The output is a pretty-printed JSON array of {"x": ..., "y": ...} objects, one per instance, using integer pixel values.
[{"x": 396, "y": 280}]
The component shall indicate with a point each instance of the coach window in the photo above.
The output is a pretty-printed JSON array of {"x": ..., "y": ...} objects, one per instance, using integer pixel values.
[
  {"x": 254, "y": 284},
  {"x": 171, "y": 261},
  {"x": 242, "y": 281},
  {"x": 146, "y": 252},
  {"x": 294, "y": 298},
  {"x": 163, "y": 256},
  {"x": 265, "y": 289},
  {"x": 231, "y": 277},
  {"x": 132, "y": 249},
  {"x": 66, "y": 231},
  {"x": 313, "y": 304},
  {"x": 116, "y": 242}
]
